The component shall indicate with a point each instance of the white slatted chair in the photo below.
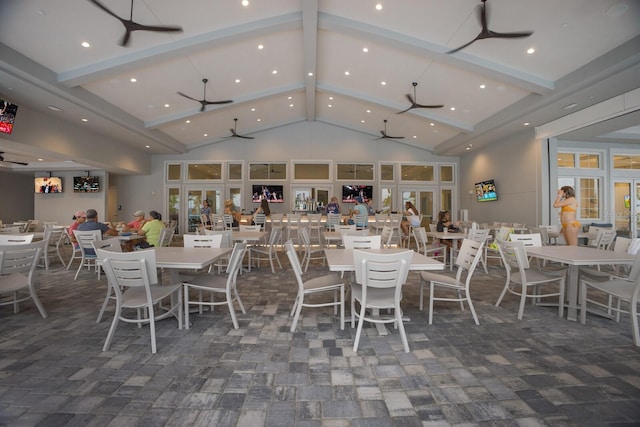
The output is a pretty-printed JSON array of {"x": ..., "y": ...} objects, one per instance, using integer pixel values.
[
  {"x": 218, "y": 284},
  {"x": 202, "y": 241},
  {"x": 226, "y": 242},
  {"x": 380, "y": 221},
  {"x": 333, "y": 221},
  {"x": 477, "y": 235},
  {"x": 205, "y": 221},
  {"x": 252, "y": 228},
  {"x": 315, "y": 227},
  {"x": 17, "y": 266},
  {"x": 328, "y": 283},
  {"x": 469, "y": 255},
  {"x": 53, "y": 234},
  {"x": 620, "y": 246},
  {"x": 268, "y": 251},
  {"x": 88, "y": 256},
  {"x": 491, "y": 250},
  {"x": 309, "y": 252},
  {"x": 293, "y": 224},
  {"x": 362, "y": 242},
  {"x": 134, "y": 279},
  {"x": 107, "y": 245},
  {"x": 386, "y": 236},
  {"x": 260, "y": 220},
  {"x": 15, "y": 239},
  {"x": 166, "y": 236},
  {"x": 620, "y": 290},
  {"x": 430, "y": 249},
  {"x": 378, "y": 286},
  {"x": 519, "y": 275}
]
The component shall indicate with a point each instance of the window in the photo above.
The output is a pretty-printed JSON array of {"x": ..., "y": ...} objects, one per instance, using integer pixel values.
[
  {"x": 417, "y": 173},
  {"x": 204, "y": 171},
  {"x": 261, "y": 171},
  {"x": 174, "y": 172},
  {"x": 386, "y": 173},
  {"x": 582, "y": 160},
  {"x": 626, "y": 162},
  {"x": 566, "y": 160},
  {"x": 355, "y": 171},
  {"x": 311, "y": 171},
  {"x": 589, "y": 198},
  {"x": 234, "y": 171},
  {"x": 446, "y": 173},
  {"x": 590, "y": 161}
]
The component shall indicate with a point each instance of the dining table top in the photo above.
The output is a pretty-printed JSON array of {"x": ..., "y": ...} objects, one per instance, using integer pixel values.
[
  {"x": 342, "y": 259},
  {"x": 580, "y": 255},
  {"x": 447, "y": 235},
  {"x": 248, "y": 236},
  {"x": 188, "y": 258}
]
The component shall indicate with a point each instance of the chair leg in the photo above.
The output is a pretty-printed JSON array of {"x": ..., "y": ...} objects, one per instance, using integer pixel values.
[
  {"x": 400, "y": 326},
  {"x": 152, "y": 330},
  {"x": 342, "y": 307},
  {"x": 232, "y": 311},
  {"x": 359, "y": 330},
  {"x": 112, "y": 329},
  {"x": 298, "y": 308},
  {"x": 104, "y": 304},
  {"x": 472, "y": 309},
  {"x": 37, "y": 302},
  {"x": 79, "y": 268},
  {"x": 523, "y": 300},
  {"x": 422, "y": 282},
  {"x": 431, "y": 295},
  {"x": 186, "y": 306}
]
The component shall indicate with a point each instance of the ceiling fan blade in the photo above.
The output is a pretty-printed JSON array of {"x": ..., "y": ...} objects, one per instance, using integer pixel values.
[
  {"x": 518, "y": 35},
  {"x": 245, "y": 137},
  {"x": 228, "y": 101},
  {"x": 157, "y": 28},
  {"x": 103, "y": 7},
  {"x": 410, "y": 107},
  {"x": 125, "y": 39},
  {"x": 188, "y": 97},
  {"x": 428, "y": 106},
  {"x": 17, "y": 163},
  {"x": 463, "y": 46}
]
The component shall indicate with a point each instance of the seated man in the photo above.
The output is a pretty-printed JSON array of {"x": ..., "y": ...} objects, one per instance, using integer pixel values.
[
  {"x": 359, "y": 209},
  {"x": 92, "y": 223}
]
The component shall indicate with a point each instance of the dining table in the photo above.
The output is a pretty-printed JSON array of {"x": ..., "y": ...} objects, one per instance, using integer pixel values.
[
  {"x": 341, "y": 260},
  {"x": 448, "y": 235},
  {"x": 176, "y": 258},
  {"x": 246, "y": 237},
  {"x": 574, "y": 257}
]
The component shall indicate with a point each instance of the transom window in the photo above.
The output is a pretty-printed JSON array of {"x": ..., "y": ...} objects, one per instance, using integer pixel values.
[
  {"x": 626, "y": 162},
  {"x": 355, "y": 171},
  {"x": 267, "y": 171}
]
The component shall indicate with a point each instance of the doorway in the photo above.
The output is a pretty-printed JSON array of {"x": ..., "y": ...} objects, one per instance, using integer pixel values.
[{"x": 626, "y": 207}]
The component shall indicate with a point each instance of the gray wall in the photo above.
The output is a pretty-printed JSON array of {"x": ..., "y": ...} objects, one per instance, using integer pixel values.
[
  {"x": 17, "y": 197},
  {"x": 515, "y": 165}
]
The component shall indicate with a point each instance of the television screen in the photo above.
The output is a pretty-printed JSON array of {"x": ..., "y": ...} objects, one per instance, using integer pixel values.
[
  {"x": 7, "y": 116},
  {"x": 486, "y": 191},
  {"x": 48, "y": 184},
  {"x": 86, "y": 184},
  {"x": 350, "y": 192},
  {"x": 273, "y": 193}
]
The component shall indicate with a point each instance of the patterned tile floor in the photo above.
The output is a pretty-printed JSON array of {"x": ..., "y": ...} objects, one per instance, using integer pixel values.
[{"x": 540, "y": 371}]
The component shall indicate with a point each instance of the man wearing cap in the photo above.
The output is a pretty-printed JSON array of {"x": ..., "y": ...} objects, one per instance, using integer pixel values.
[
  {"x": 138, "y": 221},
  {"x": 79, "y": 217}
]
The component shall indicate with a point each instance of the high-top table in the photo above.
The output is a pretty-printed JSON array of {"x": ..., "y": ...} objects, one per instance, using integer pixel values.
[{"x": 574, "y": 257}]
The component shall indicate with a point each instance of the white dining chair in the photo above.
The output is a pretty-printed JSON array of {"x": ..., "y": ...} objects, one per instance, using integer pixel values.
[
  {"x": 310, "y": 252},
  {"x": 88, "y": 256},
  {"x": 15, "y": 239},
  {"x": 214, "y": 284},
  {"x": 331, "y": 283},
  {"x": 268, "y": 251},
  {"x": 431, "y": 249},
  {"x": 520, "y": 278},
  {"x": 111, "y": 244},
  {"x": 378, "y": 286},
  {"x": 616, "y": 290},
  {"x": 362, "y": 242},
  {"x": 134, "y": 279},
  {"x": 17, "y": 267},
  {"x": 469, "y": 254}
]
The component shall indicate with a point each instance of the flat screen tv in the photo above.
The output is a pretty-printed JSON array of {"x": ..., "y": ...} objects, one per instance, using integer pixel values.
[
  {"x": 47, "y": 185},
  {"x": 273, "y": 193},
  {"x": 86, "y": 184},
  {"x": 486, "y": 191},
  {"x": 351, "y": 192},
  {"x": 7, "y": 116}
]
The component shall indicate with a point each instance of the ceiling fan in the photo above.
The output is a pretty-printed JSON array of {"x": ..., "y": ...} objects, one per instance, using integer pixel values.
[
  {"x": 414, "y": 101},
  {"x": 204, "y": 101},
  {"x": 385, "y": 135},
  {"x": 486, "y": 33},
  {"x": 131, "y": 26},
  {"x": 235, "y": 134},
  {"x": 2, "y": 160}
]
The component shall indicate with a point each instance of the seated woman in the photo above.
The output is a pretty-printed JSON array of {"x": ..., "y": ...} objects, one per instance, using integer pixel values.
[
  {"x": 412, "y": 218},
  {"x": 264, "y": 208},
  {"x": 333, "y": 206},
  {"x": 229, "y": 209},
  {"x": 151, "y": 229},
  {"x": 444, "y": 222}
]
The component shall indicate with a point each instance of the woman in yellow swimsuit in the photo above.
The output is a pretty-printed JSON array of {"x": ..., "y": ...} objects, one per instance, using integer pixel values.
[{"x": 568, "y": 204}]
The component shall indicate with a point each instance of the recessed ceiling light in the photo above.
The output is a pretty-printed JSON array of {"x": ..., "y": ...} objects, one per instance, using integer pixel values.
[
  {"x": 346, "y": 73},
  {"x": 133, "y": 80},
  {"x": 206, "y": 134},
  {"x": 383, "y": 83},
  {"x": 468, "y": 148},
  {"x": 167, "y": 105},
  {"x": 259, "y": 120},
  {"x": 379, "y": 6},
  {"x": 369, "y": 111},
  {"x": 310, "y": 74},
  {"x": 85, "y": 44},
  {"x": 84, "y": 120},
  {"x": 415, "y": 136},
  {"x": 483, "y": 86},
  {"x": 253, "y": 109},
  {"x": 187, "y": 121},
  {"x": 365, "y": 49},
  {"x": 526, "y": 123},
  {"x": 531, "y": 50},
  {"x": 329, "y": 105},
  {"x": 331, "y": 98},
  {"x": 570, "y": 106},
  {"x": 147, "y": 146},
  {"x": 41, "y": 160},
  {"x": 274, "y": 72},
  {"x": 452, "y": 108},
  {"x": 432, "y": 124},
  {"x": 260, "y": 46},
  {"x": 290, "y": 105},
  {"x": 361, "y": 121},
  {"x": 237, "y": 80},
  {"x": 54, "y": 108},
  {"x": 289, "y": 97},
  {"x": 245, "y": 3}
]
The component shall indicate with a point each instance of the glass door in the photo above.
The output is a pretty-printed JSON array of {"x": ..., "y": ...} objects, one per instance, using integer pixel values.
[
  {"x": 626, "y": 207},
  {"x": 193, "y": 203},
  {"x": 423, "y": 199}
]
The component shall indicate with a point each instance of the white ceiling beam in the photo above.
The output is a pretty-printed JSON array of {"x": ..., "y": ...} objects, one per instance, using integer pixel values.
[{"x": 310, "y": 53}]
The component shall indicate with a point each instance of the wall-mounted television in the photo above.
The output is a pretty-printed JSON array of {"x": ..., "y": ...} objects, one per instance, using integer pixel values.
[
  {"x": 48, "y": 184},
  {"x": 86, "y": 184},
  {"x": 351, "y": 192},
  {"x": 272, "y": 193},
  {"x": 7, "y": 116},
  {"x": 486, "y": 191}
]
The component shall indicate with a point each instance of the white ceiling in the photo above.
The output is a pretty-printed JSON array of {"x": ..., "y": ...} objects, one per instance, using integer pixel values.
[{"x": 587, "y": 51}]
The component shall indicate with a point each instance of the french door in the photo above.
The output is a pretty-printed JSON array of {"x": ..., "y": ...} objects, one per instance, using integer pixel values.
[
  {"x": 423, "y": 198},
  {"x": 195, "y": 195},
  {"x": 626, "y": 207}
]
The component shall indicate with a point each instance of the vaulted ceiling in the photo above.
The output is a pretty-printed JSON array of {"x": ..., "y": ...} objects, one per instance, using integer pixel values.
[{"x": 345, "y": 63}]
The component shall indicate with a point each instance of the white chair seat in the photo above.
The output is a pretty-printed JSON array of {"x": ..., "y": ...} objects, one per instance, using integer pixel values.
[{"x": 322, "y": 282}]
